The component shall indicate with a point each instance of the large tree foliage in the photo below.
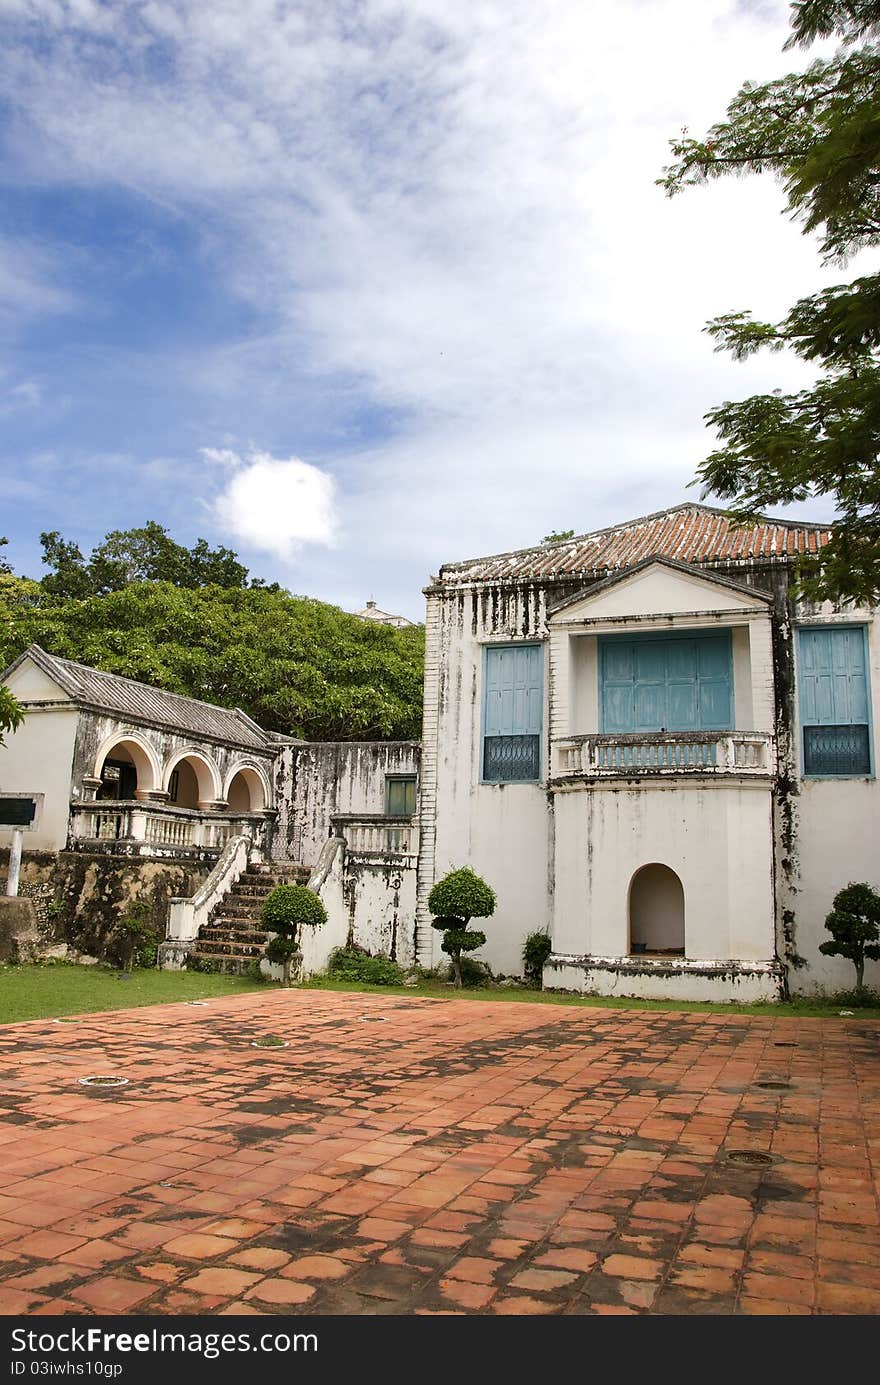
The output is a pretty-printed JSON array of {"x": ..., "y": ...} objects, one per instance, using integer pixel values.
[
  {"x": 146, "y": 554},
  {"x": 296, "y": 665},
  {"x": 818, "y": 131}
]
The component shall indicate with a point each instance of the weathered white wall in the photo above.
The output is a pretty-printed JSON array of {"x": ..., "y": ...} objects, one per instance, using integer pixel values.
[
  {"x": 718, "y": 840},
  {"x": 501, "y": 831},
  {"x": 37, "y": 758},
  {"x": 836, "y": 840},
  {"x": 316, "y": 781},
  {"x": 381, "y": 902}
]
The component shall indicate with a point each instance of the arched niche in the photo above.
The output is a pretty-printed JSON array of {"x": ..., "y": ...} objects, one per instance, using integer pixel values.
[{"x": 656, "y": 911}]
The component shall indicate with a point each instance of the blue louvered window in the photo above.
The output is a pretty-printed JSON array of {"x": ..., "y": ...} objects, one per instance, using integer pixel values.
[
  {"x": 512, "y": 714},
  {"x": 834, "y": 702},
  {"x": 667, "y": 683}
]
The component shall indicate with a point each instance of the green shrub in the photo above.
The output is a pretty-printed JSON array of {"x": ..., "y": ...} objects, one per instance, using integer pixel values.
[
  {"x": 286, "y": 911},
  {"x": 133, "y": 940},
  {"x": 854, "y": 925},
  {"x": 455, "y": 900},
  {"x": 536, "y": 949},
  {"x": 353, "y": 964}
]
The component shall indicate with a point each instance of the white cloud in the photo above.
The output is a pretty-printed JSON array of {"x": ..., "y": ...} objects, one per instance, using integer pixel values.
[
  {"x": 445, "y": 212},
  {"x": 275, "y": 505}
]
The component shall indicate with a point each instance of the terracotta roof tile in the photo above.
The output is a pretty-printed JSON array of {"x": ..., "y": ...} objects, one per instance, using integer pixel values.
[{"x": 687, "y": 533}]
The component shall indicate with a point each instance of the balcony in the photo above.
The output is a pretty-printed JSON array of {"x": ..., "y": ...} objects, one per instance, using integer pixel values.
[
  {"x": 377, "y": 835},
  {"x": 664, "y": 754},
  {"x": 133, "y": 828}
]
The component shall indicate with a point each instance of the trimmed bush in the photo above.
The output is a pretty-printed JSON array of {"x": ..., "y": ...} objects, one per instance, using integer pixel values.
[
  {"x": 455, "y": 900},
  {"x": 286, "y": 911},
  {"x": 536, "y": 949},
  {"x": 854, "y": 925}
]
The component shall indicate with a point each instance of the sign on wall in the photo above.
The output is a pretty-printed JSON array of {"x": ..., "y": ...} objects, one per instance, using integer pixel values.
[{"x": 18, "y": 812}]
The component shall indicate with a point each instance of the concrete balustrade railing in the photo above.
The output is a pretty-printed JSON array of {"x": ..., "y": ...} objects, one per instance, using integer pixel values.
[
  {"x": 377, "y": 834},
  {"x": 664, "y": 753}
]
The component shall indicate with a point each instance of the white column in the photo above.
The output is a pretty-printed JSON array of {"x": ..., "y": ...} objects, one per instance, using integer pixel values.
[{"x": 14, "y": 862}]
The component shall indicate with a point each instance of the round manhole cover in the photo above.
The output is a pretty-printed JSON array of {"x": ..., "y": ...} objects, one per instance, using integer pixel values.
[
  {"x": 196, "y": 1002},
  {"x": 752, "y": 1158},
  {"x": 103, "y": 1081},
  {"x": 269, "y": 1041},
  {"x": 774, "y": 1086}
]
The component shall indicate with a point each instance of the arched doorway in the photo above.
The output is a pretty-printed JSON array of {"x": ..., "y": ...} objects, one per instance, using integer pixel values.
[
  {"x": 656, "y": 911},
  {"x": 125, "y": 771},
  {"x": 191, "y": 782},
  {"x": 246, "y": 792}
]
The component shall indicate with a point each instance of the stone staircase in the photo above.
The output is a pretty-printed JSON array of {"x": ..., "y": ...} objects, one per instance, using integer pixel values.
[{"x": 234, "y": 938}]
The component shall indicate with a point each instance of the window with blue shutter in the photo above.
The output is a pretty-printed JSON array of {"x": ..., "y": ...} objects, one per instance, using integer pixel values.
[
  {"x": 667, "y": 683},
  {"x": 833, "y": 699},
  {"x": 513, "y": 710}
]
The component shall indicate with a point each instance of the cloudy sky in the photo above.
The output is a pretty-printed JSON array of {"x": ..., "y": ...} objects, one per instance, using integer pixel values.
[{"x": 357, "y": 287}]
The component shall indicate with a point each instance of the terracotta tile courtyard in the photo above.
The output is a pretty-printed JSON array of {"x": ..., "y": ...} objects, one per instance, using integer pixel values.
[{"x": 412, "y": 1156}]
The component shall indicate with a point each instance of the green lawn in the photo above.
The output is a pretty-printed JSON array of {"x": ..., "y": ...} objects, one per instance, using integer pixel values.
[
  {"x": 46, "y": 992},
  {"x": 49, "y": 992}
]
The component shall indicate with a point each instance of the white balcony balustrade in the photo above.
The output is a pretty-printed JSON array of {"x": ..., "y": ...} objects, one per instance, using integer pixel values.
[
  {"x": 664, "y": 753},
  {"x": 137, "y": 828},
  {"x": 378, "y": 835}
]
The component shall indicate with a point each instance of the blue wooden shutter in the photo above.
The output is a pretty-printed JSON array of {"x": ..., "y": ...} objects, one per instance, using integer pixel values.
[
  {"x": 833, "y": 699},
  {"x": 679, "y": 684},
  {"x": 513, "y": 713}
]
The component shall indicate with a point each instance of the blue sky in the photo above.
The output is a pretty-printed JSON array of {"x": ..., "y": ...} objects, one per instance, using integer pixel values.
[{"x": 358, "y": 287}]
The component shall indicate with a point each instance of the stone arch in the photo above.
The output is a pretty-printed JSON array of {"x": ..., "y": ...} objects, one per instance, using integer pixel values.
[
  {"x": 247, "y": 788},
  {"x": 198, "y": 776},
  {"x": 127, "y": 746},
  {"x": 656, "y": 911}
]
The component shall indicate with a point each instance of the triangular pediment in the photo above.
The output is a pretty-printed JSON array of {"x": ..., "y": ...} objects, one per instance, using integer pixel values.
[
  {"x": 658, "y": 586},
  {"x": 30, "y": 681}
]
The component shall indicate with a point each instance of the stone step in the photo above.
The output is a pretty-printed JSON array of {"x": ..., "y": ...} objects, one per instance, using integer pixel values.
[
  {"x": 231, "y": 949},
  {"x": 233, "y": 928},
  {"x": 244, "y": 908},
  {"x": 229, "y": 964}
]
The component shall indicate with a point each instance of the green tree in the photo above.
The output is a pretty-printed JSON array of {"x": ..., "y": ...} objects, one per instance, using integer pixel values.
[
  {"x": 286, "y": 911},
  {"x": 854, "y": 925},
  {"x": 128, "y": 556},
  {"x": 818, "y": 131},
  {"x": 296, "y": 665},
  {"x": 456, "y": 899},
  {"x": 4, "y": 562},
  {"x": 11, "y": 713}
]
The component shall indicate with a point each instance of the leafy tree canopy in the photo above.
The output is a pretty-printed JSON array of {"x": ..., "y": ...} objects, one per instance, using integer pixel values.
[
  {"x": 11, "y": 714},
  {"x": 296, "y": 665},
  {"x": 818, "y": 131},
  {"x": 147, "y": 554},
  {"x": 854, "y": 925}
]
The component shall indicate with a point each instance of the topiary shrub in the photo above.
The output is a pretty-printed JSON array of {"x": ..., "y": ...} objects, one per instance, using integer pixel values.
[
  {"x": 536, "y": 949},
  {"x": 455, "y": 900},
  {"x": 286, "y": 911},
  {"x": 854, "y": 925}
]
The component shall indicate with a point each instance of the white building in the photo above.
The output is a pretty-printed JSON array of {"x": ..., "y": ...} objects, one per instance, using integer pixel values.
[{"x": 647, "y": 750}]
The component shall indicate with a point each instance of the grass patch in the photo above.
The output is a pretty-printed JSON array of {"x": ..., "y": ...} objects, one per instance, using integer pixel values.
[
  {"x": 50, "y": 992},
  {"x": 802, "y": 1007}
]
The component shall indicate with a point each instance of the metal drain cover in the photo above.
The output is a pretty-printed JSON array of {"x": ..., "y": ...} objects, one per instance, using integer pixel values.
[
  {"x": 773, "y": 1086},
  {"x": 785, "y": 1043},
  {"x": 269, "y": 1043},
  {"x": 752, "y": 1158},
  {"x": 102, "y": 1081}
]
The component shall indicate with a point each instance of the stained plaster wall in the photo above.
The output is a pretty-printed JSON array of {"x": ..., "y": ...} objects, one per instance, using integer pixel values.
[
  {"x": 829, "y": 835},
  {"x": 502, "y": 831},
  {"x": 317, "y": 781}
]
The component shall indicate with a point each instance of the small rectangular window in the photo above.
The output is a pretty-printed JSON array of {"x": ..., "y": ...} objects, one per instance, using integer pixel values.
[
  {"x": 513, "y": 711},
  {"x": 400, "y": 795},
  {"x": 833, "y": 698}
]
